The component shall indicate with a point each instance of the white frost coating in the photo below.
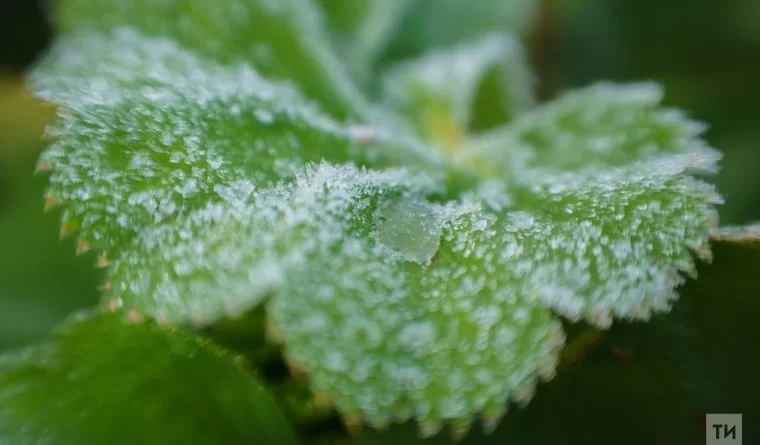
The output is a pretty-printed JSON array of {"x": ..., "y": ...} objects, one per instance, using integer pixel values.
[
  {"x": 612, "y": 242},
  {"x": 152, "y": 132},
  {"x": 451, "y": 77},
  {"x": 156, "y": 69},
  {"x": 589, "y": 129},
  {"x": 241, "y": 249},
  {"x": 431, "y": 341}
]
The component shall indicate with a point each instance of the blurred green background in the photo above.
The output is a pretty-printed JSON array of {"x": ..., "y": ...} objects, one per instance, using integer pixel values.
[{"x": 705, "y": 52}]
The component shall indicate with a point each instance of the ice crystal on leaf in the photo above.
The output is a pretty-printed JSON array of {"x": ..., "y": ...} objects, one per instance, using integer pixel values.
[{"x": 226, "y": 160}]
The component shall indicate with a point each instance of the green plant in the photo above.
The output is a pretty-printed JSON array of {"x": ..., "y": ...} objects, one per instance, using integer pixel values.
[{"x": 410, "y": 241}]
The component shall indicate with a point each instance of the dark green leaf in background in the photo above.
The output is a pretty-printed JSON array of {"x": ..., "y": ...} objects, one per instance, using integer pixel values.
[
  {"x": 41, "y": 281},
  {"x": 435, "y": 23},
  {"x": 362, "y": 30},
  {"x": 108, "y": 378}
]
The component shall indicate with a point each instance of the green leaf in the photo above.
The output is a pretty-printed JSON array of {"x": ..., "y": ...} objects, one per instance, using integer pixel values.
[
  {"x": 104, "y": 379},
  {"x": 363, "y": 28},
  {"x": 648, "y": 383},
  {"x": 435, "y": 23},
  {"x": 280, "y": 38},
  {"x": 610, "y": 213},
  {"x": 439, "y": 91},
  {"x": 439, "y": 335}
]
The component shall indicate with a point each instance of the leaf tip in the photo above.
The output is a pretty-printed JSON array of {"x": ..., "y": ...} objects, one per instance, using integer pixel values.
[
  {"x": 323, "y": 400},
  {"x": 112, "y": 304},
  {"x": 273, "y": 333},
  {"x": 459, "y": 429},
  {"x": 50, "y": 203},
  {"x": 102, "y": 261},
  {"x": 134, "y": 317},
  {"x": 492, "y": 418},
  {"x": 353, "y": 423},
  {"x": 429, "y": 428},
  {"x": 525, "y": 394},
  {"x": 82, "y": 247},
  {"x": 42, "y": 167},
  {"x": 297, "y": 371},
  {"x": 106, "y": 287}
]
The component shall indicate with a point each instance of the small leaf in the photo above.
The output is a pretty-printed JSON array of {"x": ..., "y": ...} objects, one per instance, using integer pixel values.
[
  {"x": 362, "y": 30},
  {"x": 281, "y": 38},
  {"x": 102, "y": 379},
  {"x": 438, "y": 91},
  {"x": 435, "y": 23}
]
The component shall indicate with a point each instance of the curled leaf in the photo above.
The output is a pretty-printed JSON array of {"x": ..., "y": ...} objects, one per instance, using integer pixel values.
[{"x": 439, "y": 91}]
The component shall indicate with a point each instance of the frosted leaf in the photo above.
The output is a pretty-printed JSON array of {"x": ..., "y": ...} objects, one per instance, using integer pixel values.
[
  {"x": 363, "y": 28},
  {"x": 425, "y": 291},
  {"x": 224, "y": 258},
  {"x": 149, "y": 132},
  {"x": 439, "y": 90},
  {"x": 613, "y": 242},
  {"x": 392, "y": 339},
  {"x": 280, "y": 38},
  {"x": 595, "y": 127},
  {"x": 605, "y": 176},
  {"x": 434, "y": 23}
]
